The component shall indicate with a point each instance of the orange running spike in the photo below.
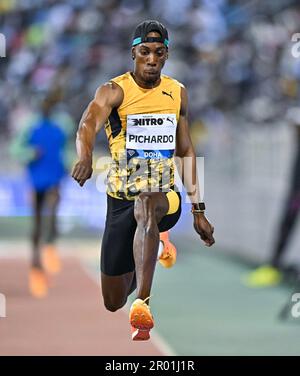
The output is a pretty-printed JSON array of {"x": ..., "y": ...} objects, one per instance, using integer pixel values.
[
  {"x": 51, "y": 260},
  {"x": 141, "y": 320},
  {"x": 38, "y": 284},
  {"x": 169, "y": 254}
]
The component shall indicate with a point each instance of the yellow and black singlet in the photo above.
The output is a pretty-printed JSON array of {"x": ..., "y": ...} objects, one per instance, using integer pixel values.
[{"x": 142, "y": 134}]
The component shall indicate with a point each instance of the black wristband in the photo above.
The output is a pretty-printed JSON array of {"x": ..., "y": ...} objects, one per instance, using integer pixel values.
[{"x": 199, "y": 207}]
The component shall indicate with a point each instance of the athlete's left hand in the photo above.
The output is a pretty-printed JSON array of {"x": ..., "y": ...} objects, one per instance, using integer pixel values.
[{"x": 204, "y": 228}]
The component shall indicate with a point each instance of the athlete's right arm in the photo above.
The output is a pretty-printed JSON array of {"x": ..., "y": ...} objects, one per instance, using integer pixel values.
[{"x": 107, "y": 97}]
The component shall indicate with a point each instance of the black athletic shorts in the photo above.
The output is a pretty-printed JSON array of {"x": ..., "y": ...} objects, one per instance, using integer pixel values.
[{"x": 117, "y": 242}]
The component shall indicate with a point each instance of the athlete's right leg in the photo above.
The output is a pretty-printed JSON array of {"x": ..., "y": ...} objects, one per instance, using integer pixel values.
[
  {"x": 116, "y": 289},
  {"x": 286, "y": 228},
  {"x": 292, "y": 207},
  {"x": 118, "y": 278},
  {"x": 271, "y": 274}
]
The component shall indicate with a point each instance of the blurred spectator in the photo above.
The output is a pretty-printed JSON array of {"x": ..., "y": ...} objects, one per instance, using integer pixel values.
[{"x": 40, "y": 147}]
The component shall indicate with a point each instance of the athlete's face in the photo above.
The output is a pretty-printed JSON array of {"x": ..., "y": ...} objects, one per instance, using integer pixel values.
[{"x": 149, "y": 60}]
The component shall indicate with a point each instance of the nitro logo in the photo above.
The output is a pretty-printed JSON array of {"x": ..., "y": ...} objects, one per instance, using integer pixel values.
[
  {"x": 151, "y": 139},
  {"x": 148, "y": 121}
]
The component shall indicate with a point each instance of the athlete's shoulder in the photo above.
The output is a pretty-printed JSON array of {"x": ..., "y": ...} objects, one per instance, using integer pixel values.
[
  {"x": 171, "y": 80},
  {"x": 125, "y": 77},
  {"x": 110, "y": 93}
]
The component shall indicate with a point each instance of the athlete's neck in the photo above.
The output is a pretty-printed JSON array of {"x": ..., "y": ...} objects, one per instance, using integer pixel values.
[{"x": 144, "y": 84}]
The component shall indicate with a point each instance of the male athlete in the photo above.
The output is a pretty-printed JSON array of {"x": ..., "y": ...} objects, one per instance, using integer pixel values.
[{"x": 145, "y": 118}]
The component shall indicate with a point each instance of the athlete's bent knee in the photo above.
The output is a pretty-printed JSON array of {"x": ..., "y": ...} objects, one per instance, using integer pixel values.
[{"x": 112, "y": 306}]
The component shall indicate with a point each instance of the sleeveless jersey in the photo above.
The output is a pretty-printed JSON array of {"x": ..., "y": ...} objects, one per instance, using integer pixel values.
[{"x": 142, "y": 135}]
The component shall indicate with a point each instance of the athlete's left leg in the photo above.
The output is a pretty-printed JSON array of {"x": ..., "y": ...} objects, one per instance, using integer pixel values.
[
  {"x": 167, "y": 253},
  {"x": 51, "y": 260},
  {"x": 53, "y": 199},
  {"x": 38, "y": 285},
  {"x": 149, "y": 209}
]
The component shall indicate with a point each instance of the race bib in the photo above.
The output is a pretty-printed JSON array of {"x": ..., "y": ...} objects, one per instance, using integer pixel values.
[{"x": 151, "y": 136}]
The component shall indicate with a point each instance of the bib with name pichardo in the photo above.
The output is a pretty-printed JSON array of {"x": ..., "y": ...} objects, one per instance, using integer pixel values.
[
  {"x": 151, "y": 136},
  {"x": 142, "y": 138}
]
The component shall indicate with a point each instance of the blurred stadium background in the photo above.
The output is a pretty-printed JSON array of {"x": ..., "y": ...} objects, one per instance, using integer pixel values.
[{"x": 235, "y": 59}]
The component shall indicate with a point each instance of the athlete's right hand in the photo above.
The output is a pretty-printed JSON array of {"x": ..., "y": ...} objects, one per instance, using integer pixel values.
[{"x": 82, "y": 171}]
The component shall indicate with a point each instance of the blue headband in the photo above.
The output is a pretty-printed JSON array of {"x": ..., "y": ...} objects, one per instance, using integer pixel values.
[{"x": 139, "y": 40}]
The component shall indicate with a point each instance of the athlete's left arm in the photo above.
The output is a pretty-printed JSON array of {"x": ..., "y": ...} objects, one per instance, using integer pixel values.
[{"x": 186, "y": 153}]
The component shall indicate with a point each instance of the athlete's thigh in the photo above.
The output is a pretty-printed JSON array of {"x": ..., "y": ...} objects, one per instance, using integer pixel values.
[{"x": 158, "y": 204}]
